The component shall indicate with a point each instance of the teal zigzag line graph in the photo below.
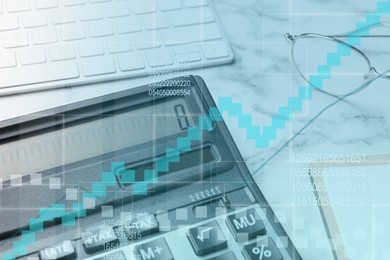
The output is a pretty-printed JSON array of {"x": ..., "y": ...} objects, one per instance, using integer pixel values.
[{"x": 184, "y": 144}]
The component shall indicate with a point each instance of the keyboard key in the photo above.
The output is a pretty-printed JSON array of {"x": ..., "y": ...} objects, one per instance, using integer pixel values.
[
  {"x": 188, "y": 57},
  {"x": 34, "y": 20},
  {"x": 89, "y": 14},
  {"x": 159, "y": 58},
  {"x": 39, "y": 73},
  {"x": 207, "y": 238},
  {"x": 44, "y": 36},
  {"x": 226, "y": 256},
  {"x": 143, "y": 6},
  {"x": 15, "y": 39},
  {"x": 245, "y": 225},
  {"x": 262, "y": 249},
  {"x": 154, "y": 250},
  {"x": 30, "y": 257},
  {"x": 168, "y": 5},
  {"x": 61, "y": 52},
  {"x": 90, "y": 49},
  {"x": 64, "y": 250},
  {"x": 45, "y": 4},
  {"x": 127, "y": 25},
  {"x": 195, "y": 3},
  {"x": 14, "y": 6},
  {"x": 130, "y": 61},
  {"x": 119, "y": 43},
  {"x": 99, "y": 1},
  {"x": 72, "y": 2},
  {"x": 119, "y": 255},
  {"x": 96, "y": 66},
  {"x": 97, "y": 240},
  {"x": 8, "y": 22},
  {"x": 7, "y": 60},
  {"x": 32, "y": 55},
  {"x": 62, "y": 16},
  {"x": 214, "y": 50},
  {"x": 141, "y": 226},
  {"x": 100, "y": 29},
  {"x": 146, "y": 40},
  {"x": 155, "y": 21},
  {"x": 72, "y": 32},
  {"x": 189, "y": 34},
  {"x": 191, "y": 16},
  {"x": 117, "y": 9}
]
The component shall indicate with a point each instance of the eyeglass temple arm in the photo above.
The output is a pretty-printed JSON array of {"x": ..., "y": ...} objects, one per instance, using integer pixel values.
[{"x": 353, "y": 33}]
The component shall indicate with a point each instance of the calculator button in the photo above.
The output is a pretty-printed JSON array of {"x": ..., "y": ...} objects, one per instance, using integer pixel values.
[
  {"x": 246, "y": 225},
  {"x": 226, "y": 256},
  {"x": 154, "y": 250},
  {"x": 64, "y": 250},
  {"x": 114, "y": 256},
  {"x": 30, "y": 257},
  {"x": 140, "y": 226},
  {"x": 96, "y": 240},
  {"x": 207, "y": 238},
  {"x": 262, "y": 249}
]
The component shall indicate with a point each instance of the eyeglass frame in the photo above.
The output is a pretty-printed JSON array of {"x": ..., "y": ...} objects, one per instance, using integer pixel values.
[{"x": 371, "y": 73}]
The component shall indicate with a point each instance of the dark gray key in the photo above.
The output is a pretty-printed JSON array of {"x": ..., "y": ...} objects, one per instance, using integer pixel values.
[
  {"x": 96, "y": 240},
  {"x": 207, "y": 238},
  {"x": 154, "y": 250},
  {"x": 119, "y": 255},
  {"x": 226, "y": 256},
  {"x": 140, "y": 226},
  {"x": 246, "y": 225},
  {"x": 30, "y": 257},
  {"x": 63, "y": 251},
  {"x": 262, "y": 249}
]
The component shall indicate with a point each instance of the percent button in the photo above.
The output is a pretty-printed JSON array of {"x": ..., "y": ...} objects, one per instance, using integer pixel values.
[{"x": 264, "y": 249}]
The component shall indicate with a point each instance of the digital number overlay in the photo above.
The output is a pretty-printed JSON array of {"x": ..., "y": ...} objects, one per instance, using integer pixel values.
[{"x": 225, "y": 104}]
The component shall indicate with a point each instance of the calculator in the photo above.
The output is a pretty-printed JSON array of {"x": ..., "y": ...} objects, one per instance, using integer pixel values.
[{"x": 149, "y": 173}]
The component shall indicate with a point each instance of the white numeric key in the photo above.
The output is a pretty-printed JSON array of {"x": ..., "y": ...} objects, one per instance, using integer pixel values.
[
  {"x": 188, "y": 34},
  {"x": 32, "y": 20},
  {"x": 96, "y": 66},
  {"x": 45, "y": 4},
  {"x": 15, "y": 39},
  {"x": 62, "y": 52},
  {"x": 32, "y": 56},
  {"x": 14, "y": 6},
  {"x": 191, "y": 16},
  {"x": 44, "y": 36},
  {"x": 7, "y": 60},
  {"x": 8, "y": 22}
]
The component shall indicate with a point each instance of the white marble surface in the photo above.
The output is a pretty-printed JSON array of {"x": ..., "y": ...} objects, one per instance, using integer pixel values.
[{"x": 262, "y": 79}]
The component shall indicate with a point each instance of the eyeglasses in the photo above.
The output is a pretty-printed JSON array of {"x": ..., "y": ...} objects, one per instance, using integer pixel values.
[{"x": 340, "y": 63}]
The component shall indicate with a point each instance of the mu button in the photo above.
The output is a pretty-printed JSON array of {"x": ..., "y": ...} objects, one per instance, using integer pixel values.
[
  {"x": 246, "y": 225},
  {"x": 207, "y": 238}
]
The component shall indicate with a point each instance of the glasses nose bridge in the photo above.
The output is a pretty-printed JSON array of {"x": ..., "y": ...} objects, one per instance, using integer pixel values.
[{"x": 289, "y": 37}]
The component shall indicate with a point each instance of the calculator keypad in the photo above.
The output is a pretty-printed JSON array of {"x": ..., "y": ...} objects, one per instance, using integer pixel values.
[{"x": 245, "y": 233}]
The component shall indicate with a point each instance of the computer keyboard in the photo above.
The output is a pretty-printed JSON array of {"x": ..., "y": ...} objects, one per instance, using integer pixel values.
[{"x": 56, "y": 43}]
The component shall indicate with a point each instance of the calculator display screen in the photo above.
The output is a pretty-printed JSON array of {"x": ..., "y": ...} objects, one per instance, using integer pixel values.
[{"x": 101, "y": 135}]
